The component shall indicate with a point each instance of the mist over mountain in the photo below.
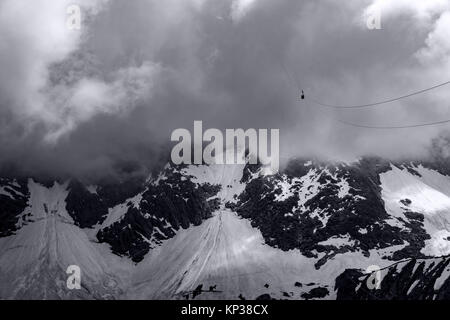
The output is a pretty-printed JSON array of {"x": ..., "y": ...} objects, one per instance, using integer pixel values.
[
  {"x": 92, "y": 101},
  {"x": 232, "y": 231},
  {"x": 359, "y": 210}
]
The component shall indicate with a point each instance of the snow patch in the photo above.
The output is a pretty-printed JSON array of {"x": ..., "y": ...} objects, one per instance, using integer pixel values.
[
  {"x": 117, "y": 213},
  {"x": 92, "y": 189},
  {"x": 428, "y": 194},
  {"x": 339, "y": 241}
]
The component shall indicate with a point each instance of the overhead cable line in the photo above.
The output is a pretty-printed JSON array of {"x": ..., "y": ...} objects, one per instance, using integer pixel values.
[
  {"x": 381, "y": 127},
  {"x": 417, "y": 125},
  {"x": 368, "y": 105}
]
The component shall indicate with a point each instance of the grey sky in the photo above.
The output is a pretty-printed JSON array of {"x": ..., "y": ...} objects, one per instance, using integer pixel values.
[{"x": 108, "y": 96}]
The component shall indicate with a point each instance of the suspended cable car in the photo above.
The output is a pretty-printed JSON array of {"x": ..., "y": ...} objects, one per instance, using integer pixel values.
[{"x": 373, "y": 104}]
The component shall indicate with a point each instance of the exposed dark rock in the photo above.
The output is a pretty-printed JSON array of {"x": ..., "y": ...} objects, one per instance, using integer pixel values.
[
  {"x": 325, "y": 214},
  {"x": 265, "y": 296},
  {"x": 316, "y": 293},
  {"x": 88, "y": 209},
  {"x": 12, "y": 204},
  {"x": 174, "y": 202},
  {"x": 198, "y": 291},
  {"x": 413, "y": 279},
  {"x": 406, "y": 202}
]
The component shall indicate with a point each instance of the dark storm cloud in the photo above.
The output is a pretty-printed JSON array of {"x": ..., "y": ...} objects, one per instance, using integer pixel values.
[{"x": 108, "y": 98}]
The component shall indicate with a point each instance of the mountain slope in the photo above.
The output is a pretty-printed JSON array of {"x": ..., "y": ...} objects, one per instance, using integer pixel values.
[
  {"x": 412, "y": 279},
  {"x": 34, "y": 260},
  {"x": 223, "y": 231}
]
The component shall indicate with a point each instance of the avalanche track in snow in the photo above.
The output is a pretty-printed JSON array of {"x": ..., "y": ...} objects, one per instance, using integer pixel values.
[
  {"x": 33, "y": 262},
  {"x": 225, "y": 253},
  {"x": 228, "y": 254}
]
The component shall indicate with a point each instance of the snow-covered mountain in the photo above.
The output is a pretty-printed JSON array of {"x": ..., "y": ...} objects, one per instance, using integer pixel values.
[{"x": 231, "y": 231}]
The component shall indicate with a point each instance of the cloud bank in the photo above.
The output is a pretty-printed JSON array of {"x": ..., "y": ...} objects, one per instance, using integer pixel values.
[{"x": 103, "y": 100}]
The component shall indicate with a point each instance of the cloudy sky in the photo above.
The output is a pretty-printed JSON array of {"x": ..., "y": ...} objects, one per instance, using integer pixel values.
[{"x": 105, "y": 99}]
